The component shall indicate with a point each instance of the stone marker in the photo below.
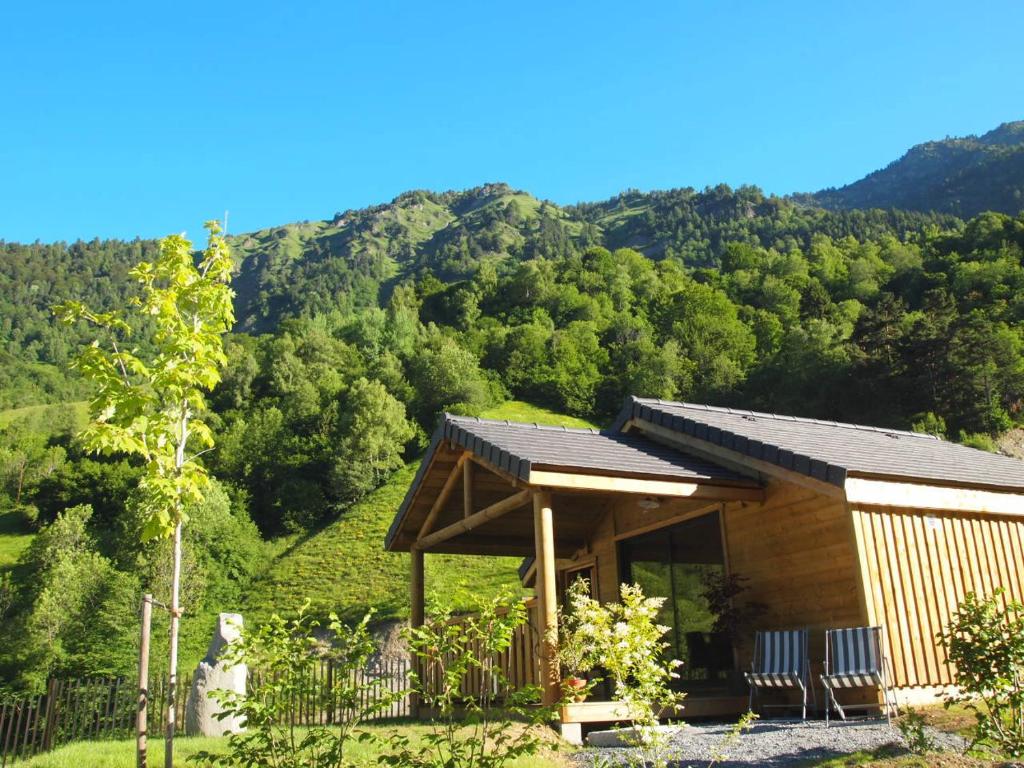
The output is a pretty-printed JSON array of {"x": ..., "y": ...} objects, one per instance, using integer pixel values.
[{"x": 212, "y": 675}]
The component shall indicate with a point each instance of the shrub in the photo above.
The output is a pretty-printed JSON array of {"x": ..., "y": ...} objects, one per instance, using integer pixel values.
[
  {"x": 912, "y": 725},
  {"x": 577, "y": 654},
  {"x": 477, "y": 725},
  {"x": 283, "y": 656},
  {"x": 985, "y": 642},
  {"x": 628, "y": 643}
]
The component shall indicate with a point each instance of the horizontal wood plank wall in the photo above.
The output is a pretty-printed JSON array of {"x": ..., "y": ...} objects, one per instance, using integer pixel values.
[
  {"x": 606, "y": 558},
  {"x": 919, "y": 565},
  {"x": 798, "y": 552}
]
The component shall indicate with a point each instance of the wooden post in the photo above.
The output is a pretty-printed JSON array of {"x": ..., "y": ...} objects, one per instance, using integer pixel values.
[
  {"x": 142, "y": 713},
  {"x": 467, "y": 488},
  {"x": 544, "y": 533},
  {"x": 416, "y": 617}
]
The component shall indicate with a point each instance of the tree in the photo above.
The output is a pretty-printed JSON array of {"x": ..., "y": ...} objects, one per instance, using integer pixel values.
[
  {"x": 710, "y": 334},
  {"x": 77, "y": 609},
  {"x": 151, "y": 408},
  {"x": 446, "y": 376},
  {"x": 374, "y": 432}
]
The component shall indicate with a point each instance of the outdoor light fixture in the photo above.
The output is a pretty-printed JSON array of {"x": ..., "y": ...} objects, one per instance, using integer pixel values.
[{"x": 648, "y": 503}]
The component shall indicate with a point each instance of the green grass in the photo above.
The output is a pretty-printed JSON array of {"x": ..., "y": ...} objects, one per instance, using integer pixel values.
[
  {"x": 344, "y": 568},
  {"x": 14, "y": 539},
  {"x": 78, "y": 408},
  {"x": 121, "y": 754},
  {"x": 517, "y": 410},
  {"x": 897, "y": 757}
]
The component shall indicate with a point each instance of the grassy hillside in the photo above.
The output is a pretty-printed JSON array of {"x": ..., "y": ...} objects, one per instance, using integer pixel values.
[
  {"x": 14, "y": 539},
  {"x": 344, "y": 567},
  {"x": 53, "y": 413}
]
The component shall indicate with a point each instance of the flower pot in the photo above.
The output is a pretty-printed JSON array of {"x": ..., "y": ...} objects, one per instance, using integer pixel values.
[{"x": 575, "y": 688}]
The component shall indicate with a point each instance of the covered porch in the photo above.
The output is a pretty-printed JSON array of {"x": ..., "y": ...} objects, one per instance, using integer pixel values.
[{"x": 574, "y": 503}]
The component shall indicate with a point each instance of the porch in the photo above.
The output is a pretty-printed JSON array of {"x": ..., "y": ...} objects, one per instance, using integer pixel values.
[{"x": 608, "y": 507}]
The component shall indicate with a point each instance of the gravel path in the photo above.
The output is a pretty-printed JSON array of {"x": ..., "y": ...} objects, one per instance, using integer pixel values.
[{"x": 775, "y": 743}]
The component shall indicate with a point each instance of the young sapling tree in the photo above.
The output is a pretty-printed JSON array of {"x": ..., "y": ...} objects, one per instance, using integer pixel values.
[{"x": 150, "y": 405}]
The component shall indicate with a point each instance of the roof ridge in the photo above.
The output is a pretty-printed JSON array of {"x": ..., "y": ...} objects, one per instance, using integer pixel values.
[
  {"x": 527, "y": 424},
  {"x": 784, "y": 417}
]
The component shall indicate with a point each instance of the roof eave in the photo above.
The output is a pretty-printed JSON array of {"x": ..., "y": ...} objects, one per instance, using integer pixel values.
[
  {"x": 449, "y": 430},
  {"x": 414, "y": 486},
  {"x": 635, "y": 409}
]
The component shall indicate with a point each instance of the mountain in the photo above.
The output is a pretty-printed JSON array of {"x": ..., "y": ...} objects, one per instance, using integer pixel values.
[
  {"x": 960, "y": 176},
  {"x": 354, "y": 258}
]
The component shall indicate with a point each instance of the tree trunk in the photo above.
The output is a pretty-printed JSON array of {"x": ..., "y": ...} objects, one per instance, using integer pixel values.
[
  {"x": 21, "y": 481},
  {"x": 172, "y": 670},
  {"x": 142, "y": 713}
]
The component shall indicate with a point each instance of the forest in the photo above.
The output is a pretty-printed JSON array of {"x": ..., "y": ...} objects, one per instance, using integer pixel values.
[{"x": 356, "y": 332}]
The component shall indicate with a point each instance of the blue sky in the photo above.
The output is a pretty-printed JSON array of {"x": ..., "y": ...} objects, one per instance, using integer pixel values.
[{"x": 147, "y": 118}]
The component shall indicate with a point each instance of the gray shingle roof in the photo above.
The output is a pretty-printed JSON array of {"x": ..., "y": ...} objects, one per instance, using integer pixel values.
[
  {"x": 516, "y": 448},
  {"x": 830, "y": 450}
]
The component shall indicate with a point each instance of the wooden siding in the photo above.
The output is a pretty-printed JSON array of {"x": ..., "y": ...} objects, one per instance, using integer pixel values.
[
  {"x": 917, "y": 566},
  {"x": 796, "y": 548},
  {"x": 799, "y": 554}
]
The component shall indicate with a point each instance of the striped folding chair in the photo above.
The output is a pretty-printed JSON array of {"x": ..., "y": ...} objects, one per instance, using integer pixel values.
[
  {"x": 780, "y": 663},
  {"x": 855, "y": 658}
]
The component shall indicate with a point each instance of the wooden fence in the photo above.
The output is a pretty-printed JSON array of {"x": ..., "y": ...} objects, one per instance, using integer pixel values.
[
  {"x": 519, "y": 664},
  {"x": 96, "y": 708}
]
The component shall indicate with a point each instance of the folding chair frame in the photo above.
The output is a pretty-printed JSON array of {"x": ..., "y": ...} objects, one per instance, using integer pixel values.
[
  {"x": 884, "y": 672},
  {"x": 803, "y": 680}
]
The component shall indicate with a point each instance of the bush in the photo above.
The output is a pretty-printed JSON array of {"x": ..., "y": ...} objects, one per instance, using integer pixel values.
[
  {"x": 626, "y": 641},
  {"x": 470, "y": 730},
  {"x": 985, "y": 643},
  {"x": 283, "y": 655},
  {"x": 912, "y": 725}
]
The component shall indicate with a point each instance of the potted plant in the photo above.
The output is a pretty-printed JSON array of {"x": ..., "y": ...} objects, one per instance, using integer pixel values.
[
  {"x": 735, "y": 619},
  {"x": 574, "y": 646}
]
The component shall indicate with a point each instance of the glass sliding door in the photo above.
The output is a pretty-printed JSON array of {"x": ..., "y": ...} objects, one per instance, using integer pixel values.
[{"x": 674, "y": 563}]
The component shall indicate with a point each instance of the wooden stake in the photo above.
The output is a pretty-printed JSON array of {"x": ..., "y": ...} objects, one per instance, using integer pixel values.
[
  {"x": 142, "y": 713},
  {"x": 416, "y": 617}
]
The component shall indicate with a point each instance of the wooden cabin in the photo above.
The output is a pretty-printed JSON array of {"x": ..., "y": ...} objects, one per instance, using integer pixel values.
[{"x": 831, "y": 525}]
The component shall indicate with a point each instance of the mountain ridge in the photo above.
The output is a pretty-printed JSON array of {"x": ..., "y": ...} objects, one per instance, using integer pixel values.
[{"x": 962, "y": 176}]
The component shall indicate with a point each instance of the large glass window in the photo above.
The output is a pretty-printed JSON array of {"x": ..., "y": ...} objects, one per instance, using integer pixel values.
[{"x": 674, "y": 563}]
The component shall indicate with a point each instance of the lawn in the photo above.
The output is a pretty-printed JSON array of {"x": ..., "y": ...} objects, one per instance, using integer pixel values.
[
  {"x": 954, "y": 719},
  {"x": 889, "y": 757},
  {"x": 121, "y": 754}
]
